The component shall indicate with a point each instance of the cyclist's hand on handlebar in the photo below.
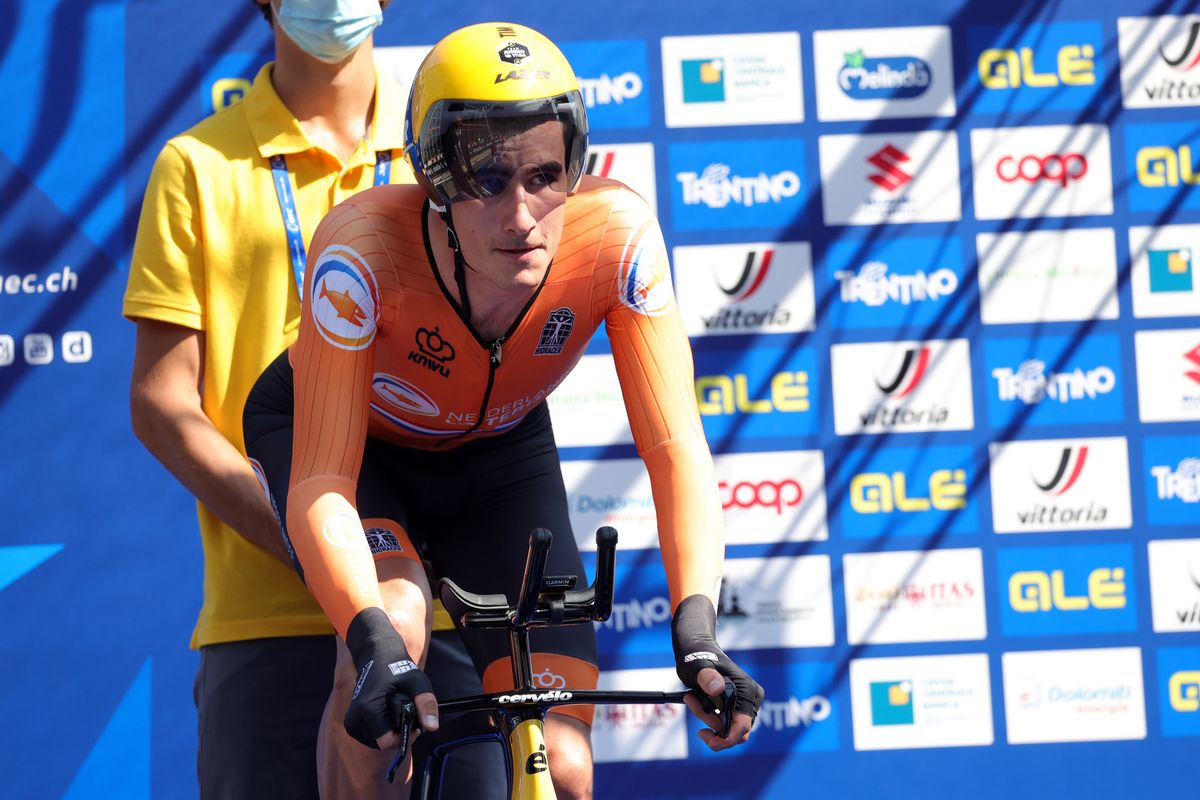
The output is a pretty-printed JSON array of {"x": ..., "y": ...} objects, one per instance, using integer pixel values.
[
  {"x": 384, "y": 670},
  {"x": 701, "y": 664}
]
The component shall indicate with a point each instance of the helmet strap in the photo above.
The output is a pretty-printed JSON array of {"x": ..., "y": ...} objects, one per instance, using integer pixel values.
[{"x": 460, "y": 263}]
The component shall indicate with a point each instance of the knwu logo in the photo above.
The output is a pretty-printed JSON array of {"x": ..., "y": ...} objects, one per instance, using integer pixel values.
[{"x": 1031, "y": 384}]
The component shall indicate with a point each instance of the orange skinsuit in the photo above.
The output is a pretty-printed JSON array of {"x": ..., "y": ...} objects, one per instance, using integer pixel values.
[{"x": 384, "y": 352}]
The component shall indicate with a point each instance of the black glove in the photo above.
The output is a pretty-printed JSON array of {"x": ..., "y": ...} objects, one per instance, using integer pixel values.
[
  {"x": 384, "y": 670},
  {"x": 694, "y": 638}
]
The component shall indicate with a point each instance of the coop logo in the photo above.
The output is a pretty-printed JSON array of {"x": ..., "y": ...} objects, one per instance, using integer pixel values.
[
  {"x": 605, "y": 89},
  {"x": 730, "y": 394},
  {"x": 902, "y": 386},
  {"x": 895, "y": 77},
  {"x": 344, "y": 298},
  {"x": 1031, "y": 383},
  {"x": 874, "y": 286},
  {"x": 883, "y": 493},
  {"x": 767, "y": 494},
  {"x": 638, "y": 614},
  {"x": 1037, "y": 66},
  {"x": 1160, "y": 166},
  {"x": 1180, "y": 483},
  {"x": 403, "y": 395},
  {"x": 1080, "y": 589},
  {"x": 1060, "y": 485},
  {"x": 891, "y": 177},
  {"x": 793, "y": 713},
  {"x": 717, "y": 187},
  {"x": 1056, "y": 168}
]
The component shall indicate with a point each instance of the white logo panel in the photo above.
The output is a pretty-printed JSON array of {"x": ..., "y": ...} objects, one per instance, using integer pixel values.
[
  {"x": 1074, "y": 695},
  {"x": 1060, "y": 485},
  {"x": 631, "y": 164},
  {"x": 1047, "y": 276},
  {"x": 1159, "y": 61},
  {"x": 921, "y": 701},
  {"x": 1043, "y": 171},
  {"x": 612, "y": 492},
  {"x": 744, "y": 79},
  {"x": 1175, "y": 584},
  {"x": 1165, "y": 278},
  {"x": 776, "y": 602},
  {"x": 902, "y": 386},
  {"x": 399, "y": 64},
  {"x": 745, "y": 288},
  {"x": 1168, "y": 372},
  {"x": 639, "y": 732},
  {"x": 874, "y": 73},
  {"x": 587, "y": 407},
  {"x": 889, "y": 177},
  {"x": 914, "y": 596}
]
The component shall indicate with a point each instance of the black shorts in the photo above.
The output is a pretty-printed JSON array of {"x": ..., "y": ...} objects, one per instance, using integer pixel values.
[{"x": 468, "y": 510}]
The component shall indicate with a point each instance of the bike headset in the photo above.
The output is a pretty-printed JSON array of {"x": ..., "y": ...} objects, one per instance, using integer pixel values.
[{"x": 477, "y": 89}]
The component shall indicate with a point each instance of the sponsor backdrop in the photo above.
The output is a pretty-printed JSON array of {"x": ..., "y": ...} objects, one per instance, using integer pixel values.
[{"x": 938, "y": 261}]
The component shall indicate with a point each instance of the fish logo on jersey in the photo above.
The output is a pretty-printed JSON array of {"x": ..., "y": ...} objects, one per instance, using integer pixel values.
[
  {"x": 344, "y": 298},
  {"x": 645, "y": 279}
]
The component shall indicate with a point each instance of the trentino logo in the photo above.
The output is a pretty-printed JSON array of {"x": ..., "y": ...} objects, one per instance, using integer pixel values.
[
  {"x": 703, "y": 80},
  {"x": 1031, "y": 383},
  {"x": 887, "y": 159},
  {"x": 891, "y": 703},
  {"x": 874, "y": 286},
  {"x": 1180, "y": 483},
  {"x": 1171, "y": 270},
  {"x": 897, "y": 77},
  {"x": 717, "y": 187}
]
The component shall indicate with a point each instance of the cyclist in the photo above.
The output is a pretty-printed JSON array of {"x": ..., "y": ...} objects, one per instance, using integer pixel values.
[{"x": 409, "y": 420}]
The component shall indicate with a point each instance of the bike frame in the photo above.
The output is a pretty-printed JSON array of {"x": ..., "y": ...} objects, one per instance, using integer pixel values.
[{"x": 519, "y": 714}]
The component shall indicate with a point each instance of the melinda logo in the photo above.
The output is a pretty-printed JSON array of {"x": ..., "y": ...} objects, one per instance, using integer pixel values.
[
  {"x": 864, "y": 78},
  {"x": 1048, "y": 380},
  {"x": 1067, "y": 590},
  {"x": 1036, "y": 67},
  {"x": 738, "y": 184},
  {"x": 892, "y": 703}
]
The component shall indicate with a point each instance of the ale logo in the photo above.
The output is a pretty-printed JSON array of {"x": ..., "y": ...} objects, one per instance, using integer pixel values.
[
  {"x": 909, "y": 376},
  {"x": 1033, "y": 591}
]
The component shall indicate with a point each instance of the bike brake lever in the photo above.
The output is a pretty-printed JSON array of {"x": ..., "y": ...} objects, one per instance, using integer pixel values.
[
  {"x": 723, "y": 706},
  {"x": 404, "y": 716}
]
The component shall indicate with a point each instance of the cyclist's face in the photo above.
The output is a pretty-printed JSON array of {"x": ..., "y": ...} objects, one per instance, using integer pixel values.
[{"x": 511, "y": 235}]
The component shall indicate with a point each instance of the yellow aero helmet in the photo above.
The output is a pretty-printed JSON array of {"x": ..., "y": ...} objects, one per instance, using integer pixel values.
[{"x": 476, "y": 90}]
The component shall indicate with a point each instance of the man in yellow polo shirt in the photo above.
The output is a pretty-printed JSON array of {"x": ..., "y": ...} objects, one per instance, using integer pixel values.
[{"x": 220, "y": 252}]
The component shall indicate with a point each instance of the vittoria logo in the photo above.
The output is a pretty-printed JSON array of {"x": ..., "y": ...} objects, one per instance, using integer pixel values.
[
  {"x": 1159, "y": 56},
  {"x": 1193, "y": 356},
  {"x": 744, "y": 287},
  {"x": 555, "y": 332},
  {"x": 753, "y": 273},
  {"x": 1060, "y": 485},
  {"x": 600, "y": 164},
  {"x": 433, "y": 351},
  {"x": 912, "y": 369},
  {"x": 1189, "y": 54},
  {"x": 887, "y": 160},
  {"x": 1031, "y": 383}
]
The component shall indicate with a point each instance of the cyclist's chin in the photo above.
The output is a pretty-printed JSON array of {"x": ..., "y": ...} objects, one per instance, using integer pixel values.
[{"x": 519, "y": 268}]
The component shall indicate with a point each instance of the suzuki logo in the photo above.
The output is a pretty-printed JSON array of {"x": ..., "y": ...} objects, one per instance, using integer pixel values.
[
  {"x": 753, "y": 274},
  {"x": 1193, "y": 356},
  {"x": 917, "y": 373},
  {"x": 886, "y": 160},
  {"x": 1182, "y": 63},
  {"x": 1066, "y": 474}
]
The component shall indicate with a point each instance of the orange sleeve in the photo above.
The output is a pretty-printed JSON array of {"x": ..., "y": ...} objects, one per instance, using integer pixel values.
[
  {"x": 654, "y": 365},
  {"x": 333, "y": 361}
]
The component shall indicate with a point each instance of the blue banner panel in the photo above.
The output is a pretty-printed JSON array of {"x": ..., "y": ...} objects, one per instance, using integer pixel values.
[
  {"x": 1171, "y": 468},
  {"x": 756, "y": 183},
  {"x": 1163, "y": 163},
  {"x": 1179, "y": 690},
  {"x": 1049, "y": 591},
  {"x": 1037, "y": 67}
]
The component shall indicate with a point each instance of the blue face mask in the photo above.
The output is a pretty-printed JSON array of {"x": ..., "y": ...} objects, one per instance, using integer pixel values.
[{"x": 329, "y": 30}]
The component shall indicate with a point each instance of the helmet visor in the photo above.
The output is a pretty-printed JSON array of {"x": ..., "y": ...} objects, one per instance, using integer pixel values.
[{"x": 477, "y": 149}]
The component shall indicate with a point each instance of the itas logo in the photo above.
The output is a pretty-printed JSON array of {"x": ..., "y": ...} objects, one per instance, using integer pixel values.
[
  {"x": 1056, "y": 168},
  {"x": 1068, "y": 590},
  {"x": 433, "y": 351},
  {"x": 717, "y": 187},
  {"x": 891, "y": 703},
  {"x": 916, "y": 595},
  {"x": 1181, "y": 483},
  {"x": 793, "y": 713},
  {"x": 555, "y": 332},
  {"x": 891, "y": 177},
  {"x": 895, "y": 77},
  {"x": 873, "y": 286},
  {"x": 1036, "y": 66},
  {"x": 1031, "y": 384},
  {"x": 881, "y": 493},
  {"x": 730, "y": 394},
  {"x": 1170, "y": 270},
  {"x": 703, "y": 80},
  {"x": 344, "y": 298},
  {"x": 768, "y": 494}
]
